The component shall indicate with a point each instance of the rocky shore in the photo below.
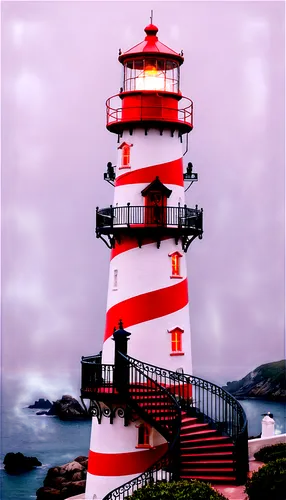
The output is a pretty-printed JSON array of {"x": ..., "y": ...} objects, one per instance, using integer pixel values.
[{"x": 64, "y": 481}]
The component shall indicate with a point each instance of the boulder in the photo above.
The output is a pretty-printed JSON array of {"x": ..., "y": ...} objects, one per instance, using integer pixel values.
[
  {"x": 71, "y": 467},
  {"x": 64, "y": 481},
  {"x": 77, "y": 476},
  {"x": 42, "y": 404},
  {"x": 16, "y": 463},
  {"x": 80, "y": 459},
  {"x": 49, "y": 493}
]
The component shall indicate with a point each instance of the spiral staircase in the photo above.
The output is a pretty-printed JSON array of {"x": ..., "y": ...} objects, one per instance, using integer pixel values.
[{"x": 205, "y": 427}]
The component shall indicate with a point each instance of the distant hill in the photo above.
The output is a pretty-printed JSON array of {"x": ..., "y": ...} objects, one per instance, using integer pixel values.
[{"x": 267, "y": 381}]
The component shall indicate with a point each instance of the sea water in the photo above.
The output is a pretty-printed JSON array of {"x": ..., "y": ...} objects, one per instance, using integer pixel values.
[{"x": 55, "y": 442}]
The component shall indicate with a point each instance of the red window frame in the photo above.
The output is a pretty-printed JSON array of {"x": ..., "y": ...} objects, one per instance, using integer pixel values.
[
  {"x": 143, "y": 439},
  {"x": 176, "y": 341},
  {"x": 176, "y": 265},
  {"x": 125, "y": 155}
]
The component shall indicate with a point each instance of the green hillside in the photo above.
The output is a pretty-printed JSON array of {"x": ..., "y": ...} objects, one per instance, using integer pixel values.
[{"x": 266, "y": 381}]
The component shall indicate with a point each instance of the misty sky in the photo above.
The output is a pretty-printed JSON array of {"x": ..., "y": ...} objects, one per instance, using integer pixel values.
[{"x": 59, "y": 65}]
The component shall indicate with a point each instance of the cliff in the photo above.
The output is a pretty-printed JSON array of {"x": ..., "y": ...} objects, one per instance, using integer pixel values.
[{"x": 267, "y": 381}]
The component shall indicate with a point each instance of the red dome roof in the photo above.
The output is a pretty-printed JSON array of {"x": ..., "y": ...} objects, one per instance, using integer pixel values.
[{"x": 151, "y": 46}]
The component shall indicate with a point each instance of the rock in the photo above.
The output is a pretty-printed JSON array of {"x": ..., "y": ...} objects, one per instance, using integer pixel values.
[
  {"x": 67, "y": 408},
  {"x": 54, "y": 471},
  {"x": 41, "y": 403},
  {"x": 16, "y": 463},
  {"x": 73, "y": 489},
  {"x": 80, "y": 459},
  {"x": 48, "y": 493},
  {"x": 56, "y": 482},
  {"x": 77, "y": 476},
  {"x": 64, "y": 481}
]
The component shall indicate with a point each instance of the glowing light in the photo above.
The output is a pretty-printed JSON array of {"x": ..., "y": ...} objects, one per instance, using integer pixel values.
[{"x": 152, "y": 79}]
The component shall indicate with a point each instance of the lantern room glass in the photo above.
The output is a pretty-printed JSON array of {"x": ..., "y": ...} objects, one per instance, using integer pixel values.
[{"x": 151, "y": 74}]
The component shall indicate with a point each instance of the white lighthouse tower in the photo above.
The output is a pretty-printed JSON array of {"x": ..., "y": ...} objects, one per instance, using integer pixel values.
[{"x": 141, "y": 399}]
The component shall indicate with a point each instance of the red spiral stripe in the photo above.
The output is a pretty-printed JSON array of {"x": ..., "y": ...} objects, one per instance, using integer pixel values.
[{"x": 147, "y": 306}]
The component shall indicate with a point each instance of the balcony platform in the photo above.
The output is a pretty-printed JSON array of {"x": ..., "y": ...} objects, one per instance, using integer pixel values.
[{"x": 155, "y": 222}]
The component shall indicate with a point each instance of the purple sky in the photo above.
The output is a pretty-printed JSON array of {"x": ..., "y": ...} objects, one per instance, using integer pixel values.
[{"x": 59, "y": 64}]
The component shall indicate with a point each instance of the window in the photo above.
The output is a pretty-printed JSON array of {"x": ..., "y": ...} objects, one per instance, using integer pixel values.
[
  {"x": 175, "y": 262},
  {"x": 115, "y": 279},
  {"x": 125, "y": 155},
  {"x": 143, "y": 436},
  {"x": 176, "y": 342}
]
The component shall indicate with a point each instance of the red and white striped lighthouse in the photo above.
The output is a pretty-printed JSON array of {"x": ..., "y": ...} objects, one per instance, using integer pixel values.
[{"x": 148, "y": 229}]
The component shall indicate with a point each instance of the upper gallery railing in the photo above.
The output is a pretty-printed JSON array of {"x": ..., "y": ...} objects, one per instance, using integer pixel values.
[
  {"x": 143, "y": 110},
  {"x": 148, "y": 216}
]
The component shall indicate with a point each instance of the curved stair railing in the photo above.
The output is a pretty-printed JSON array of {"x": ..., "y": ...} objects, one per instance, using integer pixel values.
[
  {"x": 197, "y": 397},
  {"x": 209, "y": 403},
  {"x": 164, "y": 415}
]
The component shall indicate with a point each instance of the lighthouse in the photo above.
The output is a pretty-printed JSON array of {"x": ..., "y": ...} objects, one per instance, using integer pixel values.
[{"x": 144, "y": 405}]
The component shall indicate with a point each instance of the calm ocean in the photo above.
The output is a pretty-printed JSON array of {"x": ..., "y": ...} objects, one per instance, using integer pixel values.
[{"x": 55, "y": 442}]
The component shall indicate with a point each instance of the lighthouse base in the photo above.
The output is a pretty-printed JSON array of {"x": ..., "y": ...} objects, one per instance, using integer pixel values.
[{"x": 129, "y": 458}]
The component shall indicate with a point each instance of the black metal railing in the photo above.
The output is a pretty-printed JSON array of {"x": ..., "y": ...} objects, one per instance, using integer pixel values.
[
  {"x": 136, "y": 216},
  {"x": 209, "y": 403},
  {"x": 205, "y": 400},
  {"x": 165, "y": 417},
  {"x": 162, "y": 470},
  {"x": 137, "y": 387}
]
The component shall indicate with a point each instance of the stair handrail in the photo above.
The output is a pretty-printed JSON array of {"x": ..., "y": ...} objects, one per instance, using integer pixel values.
[
  {"x": 228, "y": 407},
  {"x": 191, "y": 380},
  {"x": 143, "y": 479},
  {"x": 164, "y": 462},
  {"x": 160, "y": 389}
]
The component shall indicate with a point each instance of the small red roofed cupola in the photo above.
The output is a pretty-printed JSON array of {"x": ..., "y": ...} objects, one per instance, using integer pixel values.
[{"x": 151, "y": 30}]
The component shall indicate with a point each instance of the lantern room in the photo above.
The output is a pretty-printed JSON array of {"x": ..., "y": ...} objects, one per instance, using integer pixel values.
[
  {"x": 151, "y": 73},
  {"x": 150, "y": 89},
  {"x": 151, "y": 65}
]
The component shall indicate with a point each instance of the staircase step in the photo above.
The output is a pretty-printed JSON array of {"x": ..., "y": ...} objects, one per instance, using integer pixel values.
[
  {"x": 222, "y": 440},
  {"x": 201, "y": 434},
  {"x": 206, "y": 455},
  {"x": 212, "y": 447},
  {"x": 166, "y": 417},
  {"x": 159, "y": 410},
  {"x": 206, "y": 462},
  {"x": 213, "y": 479},
  {"x": 193, "y": 427},
  {"x": 227, "y": 464},
  {"x": 154, "y": 406},
  {"x": 189, "y": 420},
  {"x": 212, "y": 470}
]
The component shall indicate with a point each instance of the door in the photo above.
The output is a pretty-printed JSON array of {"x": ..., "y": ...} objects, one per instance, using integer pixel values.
[{"x": 155, "y": 208}]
